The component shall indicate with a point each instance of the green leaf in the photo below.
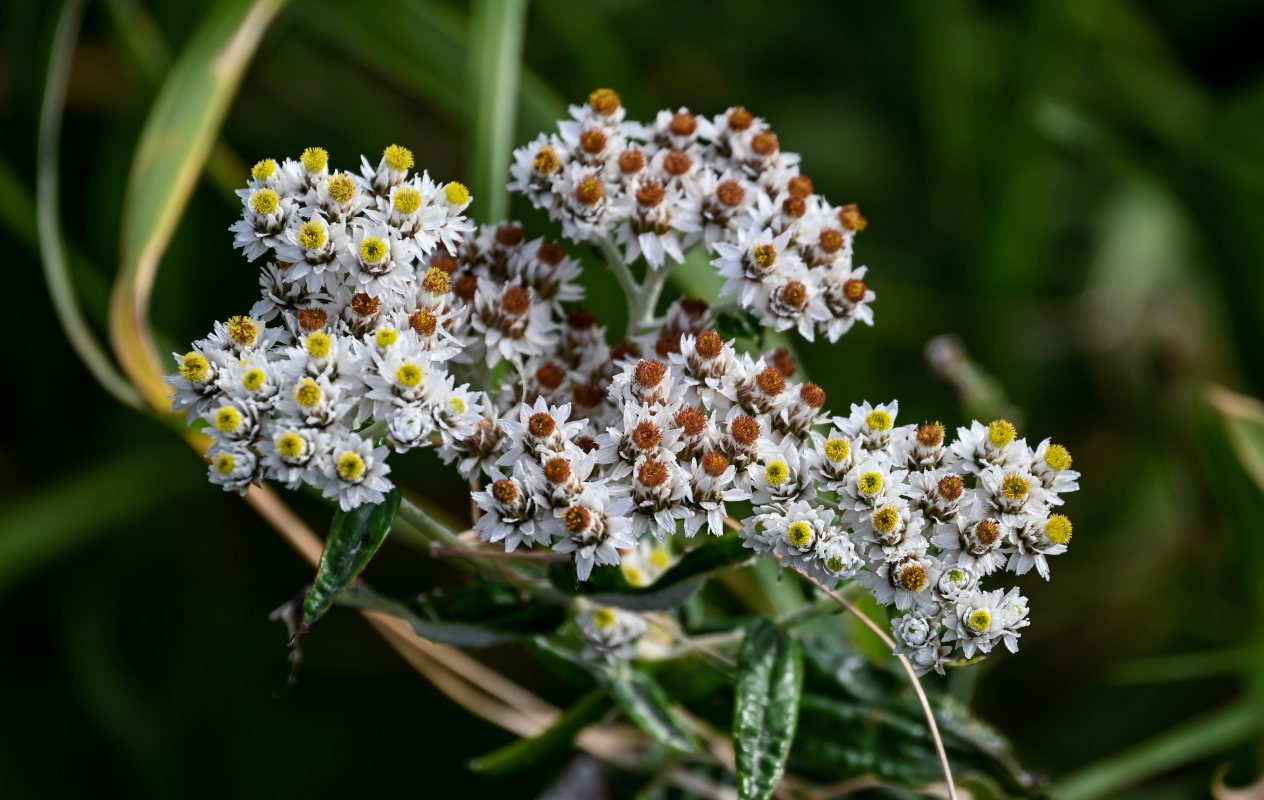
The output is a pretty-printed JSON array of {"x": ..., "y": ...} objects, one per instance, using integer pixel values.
[
  {"x": 174, "y": 145},
  {"x": 607, "y": 586},
  {"x": 769, "y": 685},
  {"x": 1243, "y": 419},
  {"x": 646, "y": 704},
  {"x": 459, "y": 634},
  {"x": 496, "y": 32},
  {"x": 529, "y": 752},
  {"x": 353, "y": 539},
  {"x": 561, "y": 662}
]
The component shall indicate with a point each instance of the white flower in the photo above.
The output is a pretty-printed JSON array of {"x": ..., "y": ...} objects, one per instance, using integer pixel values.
[
  {"x": 978, "y": 621},
  {"x": 609, "y": 633},
  {"x": 235, "y": 468},
  {"x": 917, "y": 638},
  {"x": 595, "y": 528},
  {"x": 355, "y": 472},
  {"x": 795, "y": 533},
  {"x": 710, "y": 487},
  {"x": 750, "y": 265},
  {"x": 509, "y": 514},
  {"x": 904, "y": 581},
  {"x": 1037, "y": 539}
]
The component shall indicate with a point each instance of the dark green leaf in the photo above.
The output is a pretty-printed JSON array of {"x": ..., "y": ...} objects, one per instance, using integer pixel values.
[
  {"x": 529, "y": 752},
  {"x": 354, "y": 537},
  {"x": 738, "y": 326},
  {"x": 645, "y": 703},
  {"x": 563, "y": 663},
  {"x": 460, "y": 634},
  {"x": 769, "y": 684},
  {"x": 606, "y": 585}
]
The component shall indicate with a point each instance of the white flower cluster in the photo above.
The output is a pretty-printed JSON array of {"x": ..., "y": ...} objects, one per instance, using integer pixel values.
[
  {"x": 659, "y": 188},
  {"x": 388, "y": 323},
  {"x": 350, "y": 339},
  {"x": 920, "y": 522}
]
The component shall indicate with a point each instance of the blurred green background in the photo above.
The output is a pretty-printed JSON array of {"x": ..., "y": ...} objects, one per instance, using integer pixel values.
[{"x": 1074, "y": 189}]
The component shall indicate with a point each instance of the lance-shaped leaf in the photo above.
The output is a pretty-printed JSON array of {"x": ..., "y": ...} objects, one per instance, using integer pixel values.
[
  {"x": 769, "y": 685},
  {"x": 646, "y": 704},
  {"x": 459, "y": 634},
  {"x": 529, "y": 752},
  {"x": 353, "y": 539}
]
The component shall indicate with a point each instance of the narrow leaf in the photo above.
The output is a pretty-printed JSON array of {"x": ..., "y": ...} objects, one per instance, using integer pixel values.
[
  {"x": 178, "y": 136},
  {"x": 353, "y": 539},
  {"x": 1243, "y": 419},
  {"x": 646, "y": 704},
  {"x": 769, "y": 685},
  {"x": 529, "y": 752},
  {"x": 607, "y": 585},
  {"x": 459, "y": 634}
]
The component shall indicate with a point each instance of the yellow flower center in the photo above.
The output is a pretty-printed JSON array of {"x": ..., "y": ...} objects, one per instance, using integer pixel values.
[
  {"x": 224, "y": 463},
  {"x": 546, "y": 161},
  {"x": 765, "y": 255},
  {"x": 398, "y": 158},
  {"x": 913, "y": 577},
  {"x": 1058, "y": 529},
  {"x": 194, "y": 367},
  {"x": 341, "y": 188},
  {"x": 979, "y": 620},
  {"x": 870, "y": 483},
  {"x": 308, "y": 393},
  {"x": 878, "y": 420},
  {"x": 799, "y": 534},
  {"x": 457, "y": 194},
  {"x": 254, "y": 379},
  {"x": 315, "y": 158},
  {"x": 264, "y": 201},
  {"x": 318, "y": 344},
  {"x": 660, "y": 558},
  {"x": 409, "y": 375},
  {"x": 886, "y": 520},
  {"x": 263, "y": 170},
  {"x": 837, "y": 450},
  {"x": 1000, "y": 433},
  {"x": 385, "y": 337},
  {"x": 290, "y": 445},
  {"x": 603, "y": 618},
  {"x": 632, "y": 575},
  {"x": 407, "y": 200},
  {"x": 777, "y": 473},
  {"x": 1058, "y": 457},
  {"x": 242, "y": 330},
  {"x": 227, "y": 419},
  {"x": 458, "y": 405},
  {"x": 373, "y": 250},
  {"x": 312, "y": 235},
  {"x": 1015, "y": 487},
  {"x": 351, "y": 467}
]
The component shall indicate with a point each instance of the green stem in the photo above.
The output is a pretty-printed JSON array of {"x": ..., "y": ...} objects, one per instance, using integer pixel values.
[
  {"x": 495, "y": 61},
  {"x": 56, "y": 266}
]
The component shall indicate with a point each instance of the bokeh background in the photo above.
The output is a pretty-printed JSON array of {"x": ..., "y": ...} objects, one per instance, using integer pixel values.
[{"x": 1074, "y": 190}]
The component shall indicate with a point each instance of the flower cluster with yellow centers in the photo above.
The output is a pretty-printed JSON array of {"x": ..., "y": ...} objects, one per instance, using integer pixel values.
[{"x": 387, "y": 322}]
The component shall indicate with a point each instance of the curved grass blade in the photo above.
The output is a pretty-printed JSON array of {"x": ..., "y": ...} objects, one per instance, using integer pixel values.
[
  {"x": 496, "y": 31},
  {"x": 528, "y": 752},
  {"x": 174, "y": 145},
  {"x": 61, "y": 288},
  {"x": 1243, "y": 419},
  {"x": 354, "y": 537},
  {"x": 769, "y": 687},
  {"x": 646, "y": 704}
]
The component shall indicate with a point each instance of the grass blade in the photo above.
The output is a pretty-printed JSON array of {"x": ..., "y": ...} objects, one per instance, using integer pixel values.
[
  {"x": 174, "y": 146},
  {"x": 495, "y": 55},
  {"x": 61, "y": 288}
]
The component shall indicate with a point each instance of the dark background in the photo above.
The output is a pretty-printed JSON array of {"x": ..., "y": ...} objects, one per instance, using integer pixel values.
[{"x": 1075, "y": 189}]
